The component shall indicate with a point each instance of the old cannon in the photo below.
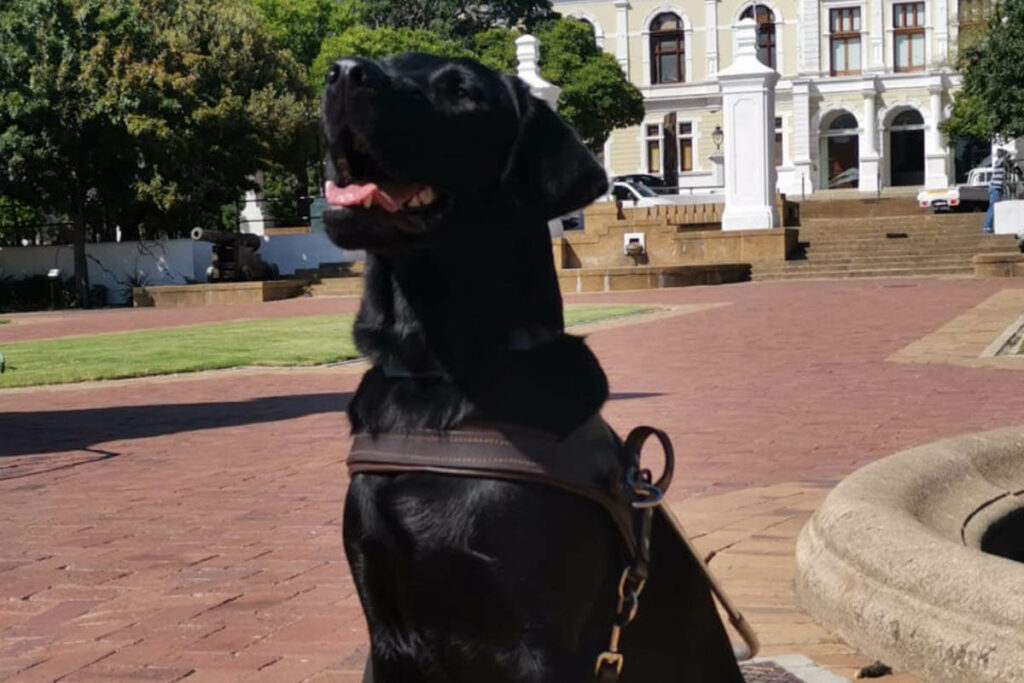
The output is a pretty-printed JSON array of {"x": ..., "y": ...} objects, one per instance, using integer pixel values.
[{"x": 234, "y": 256}]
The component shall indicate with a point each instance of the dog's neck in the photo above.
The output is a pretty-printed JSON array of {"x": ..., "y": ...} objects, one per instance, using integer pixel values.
[{"x": 480, "y": 340}]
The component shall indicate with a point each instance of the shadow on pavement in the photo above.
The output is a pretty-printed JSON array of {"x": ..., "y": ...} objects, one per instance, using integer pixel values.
[{"x": 54, "y": 431}]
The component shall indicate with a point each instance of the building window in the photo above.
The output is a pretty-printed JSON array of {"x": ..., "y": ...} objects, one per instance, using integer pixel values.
[
  {"x": 778, "y": 141},
  {"x": 653, "y": 147},
  {"x": 668, "y": 49},
  {"x": 765, "y": 19},
  {"x": 844, "y": 25},
  {"x": 685, "y": 147},
  {"x": 908, "y": 36}
]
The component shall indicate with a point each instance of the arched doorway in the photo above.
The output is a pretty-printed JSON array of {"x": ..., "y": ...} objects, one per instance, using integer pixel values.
[
  {"x": 841, "y": 152},
  {"x": 906, "y": 148}
]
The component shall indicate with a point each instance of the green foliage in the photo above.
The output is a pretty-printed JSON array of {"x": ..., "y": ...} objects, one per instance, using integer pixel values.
[
  {"x": 596, "y": 97},
  {"x": 301, "y": 26},
  {"x": 454, "y": 18},
  {"x": 496, "y": 48},
  {"x": 144, "y": 112},
  {"x": 991, "y": 103}
]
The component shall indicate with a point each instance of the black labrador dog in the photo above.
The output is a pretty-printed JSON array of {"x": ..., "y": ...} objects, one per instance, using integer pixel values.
[{"x": 446, "y": 173}]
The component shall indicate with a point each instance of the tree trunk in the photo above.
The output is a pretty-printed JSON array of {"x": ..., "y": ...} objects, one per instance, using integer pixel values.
[{"x": 81, "y": 263}]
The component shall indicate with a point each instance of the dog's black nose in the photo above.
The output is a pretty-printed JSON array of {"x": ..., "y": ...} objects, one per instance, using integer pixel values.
[{"x": 352, "y": 73}]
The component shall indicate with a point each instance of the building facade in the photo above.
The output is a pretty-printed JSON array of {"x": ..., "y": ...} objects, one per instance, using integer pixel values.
[{"x": 863, "y": 86}]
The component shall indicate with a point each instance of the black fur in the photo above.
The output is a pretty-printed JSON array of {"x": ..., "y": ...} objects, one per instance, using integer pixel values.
[{"x": 466, "y": 580}]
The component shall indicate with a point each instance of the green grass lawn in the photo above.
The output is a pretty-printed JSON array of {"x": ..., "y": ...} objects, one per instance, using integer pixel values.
[{"x": 307, "y": 340}]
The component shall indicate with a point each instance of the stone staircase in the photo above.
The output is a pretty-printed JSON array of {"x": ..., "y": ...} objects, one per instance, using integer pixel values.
[
  {"x": 334, "y": 279},
  {"x": 887, "y": 237}
]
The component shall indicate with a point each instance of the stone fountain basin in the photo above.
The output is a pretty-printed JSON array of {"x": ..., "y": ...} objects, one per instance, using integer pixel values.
[{"x": 893, "y": 561}]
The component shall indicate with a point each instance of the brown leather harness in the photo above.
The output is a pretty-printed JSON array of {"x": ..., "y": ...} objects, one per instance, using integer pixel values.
[{"x": 592, "y": 462}]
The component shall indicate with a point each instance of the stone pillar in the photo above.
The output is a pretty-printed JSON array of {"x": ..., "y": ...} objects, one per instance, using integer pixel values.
[
  {"x": 802, "y": 157},
  {"x": 622, "y": 35},
  {"x": 868, "y": 144},
  {"x": 936, "y": 158},
  {"x": 941, "y": 19},
  {"x": 876, "y": 43},
  {"x": 808, "y": 22},
  {"x": 711, "y": 35},
  {"x": 252, "y": 218},
  {"x": 528, "y": 71},
  {"x": 748, "y": 103},
  {"x": 528, "y": 56}
]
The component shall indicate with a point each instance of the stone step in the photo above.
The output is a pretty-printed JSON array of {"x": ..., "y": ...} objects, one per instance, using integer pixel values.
[
  {"x": 847, "y": 208},
  {"x": 909, "y": 250},
  {"x": 880, "y": 261},
  {"x": 338, "y": 286},
  {"x": 827, "y": 274}
]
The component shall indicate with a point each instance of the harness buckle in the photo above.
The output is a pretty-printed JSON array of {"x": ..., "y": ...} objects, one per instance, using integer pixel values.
[{"x": 613, "y": 659}]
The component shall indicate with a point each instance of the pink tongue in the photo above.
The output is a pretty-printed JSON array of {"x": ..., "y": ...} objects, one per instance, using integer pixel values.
[{"x": 356, "y": 195}]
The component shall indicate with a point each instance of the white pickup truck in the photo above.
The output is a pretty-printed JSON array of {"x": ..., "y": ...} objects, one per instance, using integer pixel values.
[{"x": 970, "y": 196}]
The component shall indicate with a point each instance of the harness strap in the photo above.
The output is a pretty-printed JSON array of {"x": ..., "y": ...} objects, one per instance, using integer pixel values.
[{"x": 572, "y": 464}]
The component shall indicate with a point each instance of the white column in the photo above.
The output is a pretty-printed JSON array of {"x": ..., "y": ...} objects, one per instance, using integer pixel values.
[
  {"x": 622, "y": 34},
  {"x": 941, "y": 19},
  {"x": 868, "y": 143},
  {"x": 253, "y": 219},
  {"x": 802, "y": 158},
  {"x": 936, "y": 158},
  {"x": 528, "y": 70},
  {"x": 808, "y": 37},
  {"x": 876, "y": 38},
  {"x": 748, "y": 104},
  {"x": 711, "y": 35}
]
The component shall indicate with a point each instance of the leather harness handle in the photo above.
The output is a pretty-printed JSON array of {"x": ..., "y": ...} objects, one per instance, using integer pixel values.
[{"x": 634, "y": 447}]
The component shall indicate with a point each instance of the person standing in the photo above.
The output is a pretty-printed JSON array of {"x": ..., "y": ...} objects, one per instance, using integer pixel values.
[{"x": 995, "y": 188}]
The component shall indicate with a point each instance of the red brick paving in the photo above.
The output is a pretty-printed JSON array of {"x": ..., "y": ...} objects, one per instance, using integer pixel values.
[{"x": 189, "y": 529}]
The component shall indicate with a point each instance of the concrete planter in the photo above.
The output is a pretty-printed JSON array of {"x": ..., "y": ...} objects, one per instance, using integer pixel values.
[{"x": 891, "y": 562}]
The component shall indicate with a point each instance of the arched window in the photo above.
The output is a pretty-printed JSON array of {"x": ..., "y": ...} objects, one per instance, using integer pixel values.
[
  {"x": 765, "y": 19},
  {"x": 907, "y": 119},
  {"x": 668, "y": 49}
]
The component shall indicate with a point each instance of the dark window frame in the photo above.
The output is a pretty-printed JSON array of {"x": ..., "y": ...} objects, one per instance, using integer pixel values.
[
  {"x": 900, "y": 10},
  {"x": 845, "y": 36},
  {"x": 657, "y": 37}
]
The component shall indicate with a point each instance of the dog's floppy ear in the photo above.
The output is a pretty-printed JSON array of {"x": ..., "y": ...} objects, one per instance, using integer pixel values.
[{"x": 550, "y": 170}]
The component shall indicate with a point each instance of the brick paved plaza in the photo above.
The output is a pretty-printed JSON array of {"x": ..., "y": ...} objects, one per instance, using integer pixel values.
[{"x": 189, "y": 527}]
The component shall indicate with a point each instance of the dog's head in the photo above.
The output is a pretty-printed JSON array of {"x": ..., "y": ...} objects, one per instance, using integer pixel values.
[{"x": 415, "y": 136}]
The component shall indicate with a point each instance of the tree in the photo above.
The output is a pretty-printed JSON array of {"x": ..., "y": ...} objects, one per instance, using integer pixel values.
[
  {"x": 142, "y": 112},
  {"x": 454, "y": 18},
  {"x": 991, "y": 103},
  {"x": 596, "y": 97},
  {"x": 301, "y": 26}
]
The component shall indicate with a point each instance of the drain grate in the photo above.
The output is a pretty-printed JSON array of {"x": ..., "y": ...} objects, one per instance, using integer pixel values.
[{"x": 767, "y": 672}]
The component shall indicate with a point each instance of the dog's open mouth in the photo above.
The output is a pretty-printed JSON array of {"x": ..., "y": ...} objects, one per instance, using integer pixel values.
[{"x": 362, "y": 183}]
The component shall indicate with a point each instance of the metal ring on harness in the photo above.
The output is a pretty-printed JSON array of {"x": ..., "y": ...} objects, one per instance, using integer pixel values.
[{"x": 644, "y": 496}]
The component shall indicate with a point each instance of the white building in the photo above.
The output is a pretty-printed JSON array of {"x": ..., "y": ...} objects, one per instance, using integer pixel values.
[{"x": 864, "y": 84}]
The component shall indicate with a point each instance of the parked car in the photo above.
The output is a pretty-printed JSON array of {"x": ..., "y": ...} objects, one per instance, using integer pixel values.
[
  {"x": 655, "y": 182},
  {"x": 972, "y": 195},
  {"x": 638, "y": 194}
]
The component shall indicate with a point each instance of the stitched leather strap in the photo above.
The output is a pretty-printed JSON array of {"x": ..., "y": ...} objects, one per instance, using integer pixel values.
[{"x": 586, "y": 463}]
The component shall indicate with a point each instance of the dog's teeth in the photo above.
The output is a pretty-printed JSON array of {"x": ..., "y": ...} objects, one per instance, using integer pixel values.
[
  {"x": 368, "y": 202},
  {"x": 413, "y": 203},
  {"x": 426, "y": 196}
]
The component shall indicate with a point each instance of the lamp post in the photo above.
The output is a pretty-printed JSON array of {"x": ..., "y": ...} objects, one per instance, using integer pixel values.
[
  {"x": 52, "y": 275},
  {"x": 717, "y": 136}
]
